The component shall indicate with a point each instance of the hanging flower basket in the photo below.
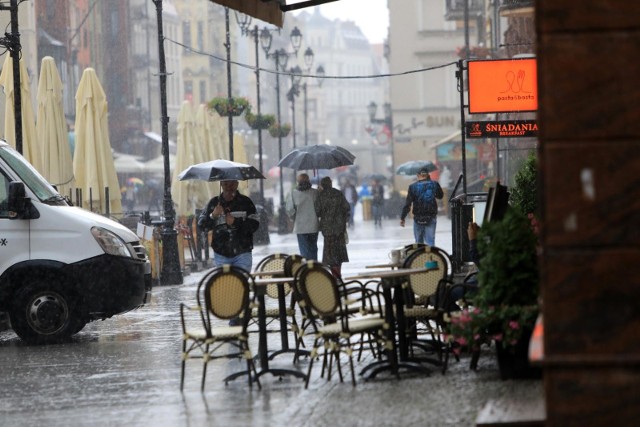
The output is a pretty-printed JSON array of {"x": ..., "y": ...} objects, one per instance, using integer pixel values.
[
  {"x": 229, "y": 107},
  {"x": 276, "y": 130},
  {"x": 259, "y": 121}
]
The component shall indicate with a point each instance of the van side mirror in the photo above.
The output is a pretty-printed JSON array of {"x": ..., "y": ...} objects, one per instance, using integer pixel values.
[{"x": 17, "y": 201}]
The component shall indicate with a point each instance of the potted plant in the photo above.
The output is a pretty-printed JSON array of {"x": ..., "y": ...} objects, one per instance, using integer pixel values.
[
  {"x": 276, "y": 130},
  {"x": 505, "y": 307},
  {"x": 234, "y": 106},
  {"x": 259, "y": 121},
  {"x": 506, "y": 304}
]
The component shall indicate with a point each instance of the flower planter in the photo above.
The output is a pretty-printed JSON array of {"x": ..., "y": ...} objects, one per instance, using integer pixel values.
[
  {"x": 279, "y": 131},
  {"x": 514, "y": 363},
  {"x": 259, "y": 121},
  {"x": 229, "y": 107}
]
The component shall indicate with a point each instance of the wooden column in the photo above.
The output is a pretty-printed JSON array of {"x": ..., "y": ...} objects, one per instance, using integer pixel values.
[{"x": 589, "y": 114}]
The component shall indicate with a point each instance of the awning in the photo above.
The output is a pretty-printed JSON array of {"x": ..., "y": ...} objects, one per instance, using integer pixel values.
[{"x": 446, "y": 139}]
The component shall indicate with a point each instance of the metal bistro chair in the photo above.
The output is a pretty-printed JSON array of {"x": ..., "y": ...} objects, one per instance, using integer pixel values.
[
  {"x": 276, "y": 263},
  {"x": 422, "y": 305},
  {"x": 322, "y": 296},
  {"x": 225, "y": 291}
]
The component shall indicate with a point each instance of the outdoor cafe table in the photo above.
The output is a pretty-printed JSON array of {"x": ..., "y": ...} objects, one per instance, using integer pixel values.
[
  {"x": 393, "y": 279},
  {"x": 263, "y": 350},
  {"x": 387, "y": 265},
  {"x": 273, "y": 273}
]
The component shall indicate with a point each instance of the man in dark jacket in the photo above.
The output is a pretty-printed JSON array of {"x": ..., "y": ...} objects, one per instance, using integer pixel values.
[
  {"x": 422, "y": 197},
  {"x": 233, "y": 219}
]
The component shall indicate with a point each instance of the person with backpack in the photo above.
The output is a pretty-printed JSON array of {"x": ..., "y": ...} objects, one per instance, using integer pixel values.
[{"x": 421, "y": 199}]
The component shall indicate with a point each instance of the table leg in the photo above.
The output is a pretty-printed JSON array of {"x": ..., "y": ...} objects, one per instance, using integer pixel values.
[
  {"x": 284, "y": 335},
  {"x": 395, "y": 321},
  {"x": 262, "y": 346},
  {"x": 262, "y": 341}
]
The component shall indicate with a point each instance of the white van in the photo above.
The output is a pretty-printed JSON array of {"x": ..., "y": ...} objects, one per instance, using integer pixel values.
[{"x": 61, "y": 266}]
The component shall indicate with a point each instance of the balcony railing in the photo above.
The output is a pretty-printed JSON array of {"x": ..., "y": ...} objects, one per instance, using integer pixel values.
[
  {"x": 515, "y": 4},
  {"x": 455, "y": 9}
]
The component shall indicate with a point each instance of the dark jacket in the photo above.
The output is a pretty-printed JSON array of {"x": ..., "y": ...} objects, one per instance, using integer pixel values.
[
  {"x": 377, "y": 192},
  {"x": 232, "y": 240},
  {"x": 422, "y": 195},
  {"x": 333, "y": 211}
]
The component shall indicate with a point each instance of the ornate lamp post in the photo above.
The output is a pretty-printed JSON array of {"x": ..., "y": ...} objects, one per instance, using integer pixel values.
[
  {"x": 170, "y": 274},
  {"x": 244, "y": 21},
  {"x": 291, "y": 96},
  {"x": 320, "y": 75},
  {"x": 281, "y": 56}
]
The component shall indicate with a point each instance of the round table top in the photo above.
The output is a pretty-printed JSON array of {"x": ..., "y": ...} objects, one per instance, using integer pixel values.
[
  {"x": 384, "y": 274},
  {"x": 272, "y": 280}
]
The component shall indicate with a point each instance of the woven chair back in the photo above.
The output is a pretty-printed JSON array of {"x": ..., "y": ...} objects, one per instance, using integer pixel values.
[
  {"x": 227, "y": 293},
  {"x": 319, "y": 289},
  {"x": 273, "y": 262},
  {"x": 426, "y": 284}
]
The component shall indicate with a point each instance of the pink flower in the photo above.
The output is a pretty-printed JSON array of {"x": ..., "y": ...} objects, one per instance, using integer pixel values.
[
  {"x": 498, "y": 337},
  {"x": 513, "y": 342},
  {"x": 462, "y": 341},
  {"x": 477, "y": 337},
  {"x": 513, "y": 324}
]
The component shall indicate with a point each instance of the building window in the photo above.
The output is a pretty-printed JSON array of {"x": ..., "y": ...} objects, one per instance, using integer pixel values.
[
  {"x": 186, "y": 35},
  {"x": 200, "y": 36},
  {"x": 115, "y": 24},
  {"x": 203, "y": 91},
  {"x": 188, "y": 89}
]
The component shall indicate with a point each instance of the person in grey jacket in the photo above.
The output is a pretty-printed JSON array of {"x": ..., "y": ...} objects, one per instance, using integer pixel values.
[
  {"x": 334, "y": 211},
  {"x": 301, "y": 208}
]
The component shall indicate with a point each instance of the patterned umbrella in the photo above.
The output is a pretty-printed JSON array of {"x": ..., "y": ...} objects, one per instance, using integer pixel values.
[{"x": 220, "y": 170}]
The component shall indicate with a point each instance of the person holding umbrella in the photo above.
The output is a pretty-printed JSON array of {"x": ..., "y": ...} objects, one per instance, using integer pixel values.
[
  {"x": 333, "y": 212},
  {"x": 422, "y": 197},
  {"x": 301, "y": 208},
  {"x": 377, "y": 203},
  {"x": 233, "y": 219}
]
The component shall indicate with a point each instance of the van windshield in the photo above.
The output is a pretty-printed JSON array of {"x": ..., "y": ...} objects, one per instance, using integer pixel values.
[{"x": 28, "y": 174}]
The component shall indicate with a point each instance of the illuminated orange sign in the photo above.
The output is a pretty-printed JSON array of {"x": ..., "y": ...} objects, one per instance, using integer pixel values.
[{"x": 503, "y": 86}]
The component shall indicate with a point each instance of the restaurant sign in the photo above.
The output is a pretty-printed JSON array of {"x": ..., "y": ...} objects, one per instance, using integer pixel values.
[
  {"x": 503, "y": 85},
  {"x": 502, "y": 129}
]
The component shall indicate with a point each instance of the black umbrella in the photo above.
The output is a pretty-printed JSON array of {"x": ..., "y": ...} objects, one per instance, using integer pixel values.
[
  {"x": 374, "y": 177},
  {"x": 317, "y": 157},
  {"x": 414, "y": 166},
  {"x": 220, "y": 170}
]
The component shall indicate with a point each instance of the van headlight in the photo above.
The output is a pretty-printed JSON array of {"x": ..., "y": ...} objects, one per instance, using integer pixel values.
[{"x": 110, "y": 242}]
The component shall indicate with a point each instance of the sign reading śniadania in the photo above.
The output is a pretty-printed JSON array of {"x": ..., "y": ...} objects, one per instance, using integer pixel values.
[{"x": 502, "y": 129}]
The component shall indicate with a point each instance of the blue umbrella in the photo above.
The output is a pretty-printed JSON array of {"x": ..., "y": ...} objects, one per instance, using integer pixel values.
[{"x": 414, "y": 166}]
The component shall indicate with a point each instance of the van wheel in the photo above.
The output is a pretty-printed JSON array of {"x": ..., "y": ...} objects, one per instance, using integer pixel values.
[{"x": 43, "y": 313}]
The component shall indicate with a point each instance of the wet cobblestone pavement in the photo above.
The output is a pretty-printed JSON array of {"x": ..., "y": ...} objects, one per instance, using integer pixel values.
[{"x": 126, "y": 371}]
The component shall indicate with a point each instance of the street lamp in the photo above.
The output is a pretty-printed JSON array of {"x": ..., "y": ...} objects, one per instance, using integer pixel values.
[
  {"x": 281, "y": 56},
  {"x": 291, "y": 96},
  {"x": 244, "y": 21},
  {"x": 227, "y": 45},
  {"x": 170, "y": 274},
  {"x": 319, "y": 75}
]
